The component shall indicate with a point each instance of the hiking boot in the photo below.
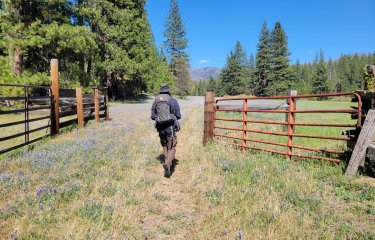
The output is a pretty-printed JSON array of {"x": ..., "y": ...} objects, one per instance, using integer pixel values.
[{"x": 167, "y": 170}]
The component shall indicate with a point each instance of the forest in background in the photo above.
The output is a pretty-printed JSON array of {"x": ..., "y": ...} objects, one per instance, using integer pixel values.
[
  {"x": 97, "y": 43},
  {"x": 110, "y": 44},
  {"x": 270, "y": 72},
  {"x": 345, "y": 74}
]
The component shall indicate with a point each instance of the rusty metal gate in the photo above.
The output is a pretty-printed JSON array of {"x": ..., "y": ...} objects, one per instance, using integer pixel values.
[{"x": 256, "y": 127}]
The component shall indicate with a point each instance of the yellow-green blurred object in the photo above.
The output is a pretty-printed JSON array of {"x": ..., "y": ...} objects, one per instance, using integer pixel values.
[{"x": 369, "y": 75}]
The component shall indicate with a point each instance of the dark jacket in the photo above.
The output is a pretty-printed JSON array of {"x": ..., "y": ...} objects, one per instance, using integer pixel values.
[{"x": 175, "y": 110}]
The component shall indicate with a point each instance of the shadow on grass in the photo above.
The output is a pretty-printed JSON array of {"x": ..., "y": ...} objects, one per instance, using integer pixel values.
[
  {"x": 175, "y": 162},
  {"x": 367, "y": 170}
]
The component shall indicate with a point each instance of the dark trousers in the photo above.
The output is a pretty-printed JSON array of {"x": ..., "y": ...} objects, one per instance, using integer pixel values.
[{"x": 168, "y": 140}]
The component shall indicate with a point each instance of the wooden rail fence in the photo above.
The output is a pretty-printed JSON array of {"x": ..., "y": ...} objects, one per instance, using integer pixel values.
[{"x": 54, "y": 108}]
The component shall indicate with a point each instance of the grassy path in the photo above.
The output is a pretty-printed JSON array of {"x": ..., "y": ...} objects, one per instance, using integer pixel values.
[
  {"x": 105, "y": 182},
  {"x": 172, "y": 207}
]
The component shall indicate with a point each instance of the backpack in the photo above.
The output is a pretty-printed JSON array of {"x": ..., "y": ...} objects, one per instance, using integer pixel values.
[{"x": 165, "y": 118}]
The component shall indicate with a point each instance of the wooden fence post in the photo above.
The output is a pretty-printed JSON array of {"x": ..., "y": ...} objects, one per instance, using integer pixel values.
[
  {"x": 209, "y": 117},
  {"x": 106, "y": 105},
  {"x": 55, "y": 122},
  {"x": 291, "y": 122},
  {"x": 96, "y": 101},
  {"x": 79, "y": 101},
  {"x": 366, "y": 137},
  {"x": 244, "y": 125}
]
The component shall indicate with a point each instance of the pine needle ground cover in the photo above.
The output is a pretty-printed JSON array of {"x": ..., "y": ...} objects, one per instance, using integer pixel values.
[{"x": 105, "y": 182}]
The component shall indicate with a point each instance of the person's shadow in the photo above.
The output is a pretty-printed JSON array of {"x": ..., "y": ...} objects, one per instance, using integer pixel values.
[{"x": 175, "y": 162}]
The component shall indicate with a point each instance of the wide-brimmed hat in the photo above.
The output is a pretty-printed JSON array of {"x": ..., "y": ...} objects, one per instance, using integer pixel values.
[{"x": 164, "y": 88}]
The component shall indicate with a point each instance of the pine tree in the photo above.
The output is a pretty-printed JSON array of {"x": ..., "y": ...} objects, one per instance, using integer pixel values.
[
  {"x": 320, "y": 77},
  {"x": 301, "y": 82},
  {"x": 336, "y": 81},
  {"x": 95, "y": 41},
  {"x": 356, "y": 74},
  {"x": 201, "y": 87},
  {"x": 281, "y": 77},
  {"x": 126, "y": 45},
  {"x": 298, "y": 71},
  {"x": 211, "y": 86},
  {"x": 306, "y": 79},
  {"x": 263, "y": 65},
  {"x": 343, "y": 70},
  {"x": 250, "y": 84},
  {"x": 233, "y": 75},
  {"x": 161, "y": 73},
  {"x": 175, "y": 45},
  {"x": 34, "y": 32}
]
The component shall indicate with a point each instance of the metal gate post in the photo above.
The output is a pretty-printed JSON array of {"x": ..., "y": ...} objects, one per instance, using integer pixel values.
[
  {"x": 26, "y": 106},
  {"x": 244, "y": 125},
  {"x": 290, "y": 126},
  {"x": 106, "y": 105}
]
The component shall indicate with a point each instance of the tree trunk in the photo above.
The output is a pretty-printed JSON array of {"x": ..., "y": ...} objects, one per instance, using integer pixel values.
[
  {"x": 109, "y": 83},
  {"x": 89, "y": 66},
  {"x": 17, "y": 61},
  {"x": 108, "y": 78},
  {"x": 80, "y": 23},
  {"x": 82, "y": 62}
]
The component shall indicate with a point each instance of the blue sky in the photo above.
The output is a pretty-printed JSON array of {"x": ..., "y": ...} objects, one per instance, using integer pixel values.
[{"x": 213, "y": 26}]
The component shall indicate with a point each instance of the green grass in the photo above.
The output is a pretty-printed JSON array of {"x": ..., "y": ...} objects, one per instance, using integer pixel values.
[
  {"x": 104, "y": 182},
  {"x": 274, "y": 198}
]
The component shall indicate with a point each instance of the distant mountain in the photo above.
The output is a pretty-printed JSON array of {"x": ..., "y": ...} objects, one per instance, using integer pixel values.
[{"x": 204, "y": 73}]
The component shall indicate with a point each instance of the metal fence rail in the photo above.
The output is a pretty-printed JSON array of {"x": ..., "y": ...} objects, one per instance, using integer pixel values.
[
  {"x": 44, "y": 103},
  {"x": 58, "y": 102},
  {"x": 92, "y": 106},
  {"x": 290, "y": 124}
]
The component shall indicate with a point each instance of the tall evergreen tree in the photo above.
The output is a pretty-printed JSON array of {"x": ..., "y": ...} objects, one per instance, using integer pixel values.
[
  {"x": 281, "y": 77},
  {"x": 175, "y": 45},
  {"x": 161, "y": 72},
  {"x": 343, "y": 67},
  {"x": 300, "y": 80},
  {"x": 211, "y": 86},
  {"x": 320, "y": 77},
  {"x": 252, "y": 61},
  {"x": 126, "y": 45},
  {"x": 250, "y": 84},
  {"x": 356, "y": 73},
  {"x": 234, "y": 74},
  {"x": 306, "y": 73},
  {"x": 263, "y": 65},
  {"x": 36, "y": 31},
  {"x": 298, "y": 70}
]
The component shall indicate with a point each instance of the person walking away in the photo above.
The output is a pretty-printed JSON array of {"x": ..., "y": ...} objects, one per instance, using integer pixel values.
[{"x": 166, "y": 113}]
